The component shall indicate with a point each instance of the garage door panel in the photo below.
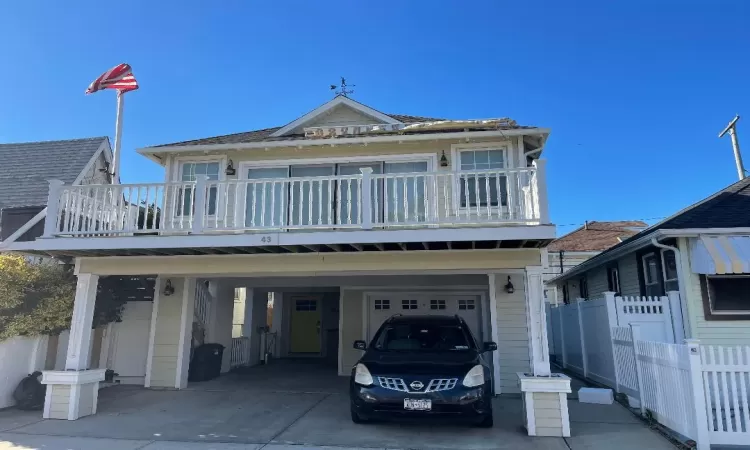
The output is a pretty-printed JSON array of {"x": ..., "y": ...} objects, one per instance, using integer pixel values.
[{"x": 383, "y": 306}]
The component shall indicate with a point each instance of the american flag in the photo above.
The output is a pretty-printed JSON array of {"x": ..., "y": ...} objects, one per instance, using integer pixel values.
[{"x": 119, "y": 77}]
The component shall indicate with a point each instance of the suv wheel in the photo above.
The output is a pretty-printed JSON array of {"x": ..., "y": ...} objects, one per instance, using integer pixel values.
[
  {"x": 356, "y": 417},
  {"x": 487, "y": 421}
]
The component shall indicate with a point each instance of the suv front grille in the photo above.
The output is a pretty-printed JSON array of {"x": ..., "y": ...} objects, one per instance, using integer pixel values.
[{"x": 435, "y": 385}]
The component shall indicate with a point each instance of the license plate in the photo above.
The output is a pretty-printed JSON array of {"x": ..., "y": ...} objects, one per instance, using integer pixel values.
[{"x": 417, "y": 404}]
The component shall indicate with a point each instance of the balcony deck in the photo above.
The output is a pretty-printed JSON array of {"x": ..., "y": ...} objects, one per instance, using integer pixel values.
[{"x": 364, "y": 212}]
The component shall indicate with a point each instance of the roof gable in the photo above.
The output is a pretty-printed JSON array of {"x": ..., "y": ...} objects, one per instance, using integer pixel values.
[
  {"x": 339, "y": 111},
  {"x": 26, "y": 168},
  {"x": 596, "y": 236}
]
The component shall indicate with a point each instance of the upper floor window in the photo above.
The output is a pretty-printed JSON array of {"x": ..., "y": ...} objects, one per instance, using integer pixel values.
[
  {"x": 189, "y": 173},
  {"x": 669, "y": 267},
  {"x": 482, "y": 187}
]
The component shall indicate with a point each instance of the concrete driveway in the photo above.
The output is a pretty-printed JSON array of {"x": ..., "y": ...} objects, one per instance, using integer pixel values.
[{"x": 251, "y": 411}]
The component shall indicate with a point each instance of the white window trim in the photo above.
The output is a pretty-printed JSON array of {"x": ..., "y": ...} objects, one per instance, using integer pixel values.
[
  {"x": 456, "y": 150},
  {"x": 176, "y": 175},
  {"x": 711, "y": 303},
  {"x": 430, "y": 158},
  {"x": 617, "y": 276}
]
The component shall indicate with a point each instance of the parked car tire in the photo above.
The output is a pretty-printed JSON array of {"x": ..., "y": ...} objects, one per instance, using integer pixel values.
[
  {"x": 487, "y": 421},
  {"x": 356, "y": 418}
]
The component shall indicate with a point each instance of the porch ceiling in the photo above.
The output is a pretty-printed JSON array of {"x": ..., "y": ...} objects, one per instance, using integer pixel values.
[{"x": 302, "y": 248}]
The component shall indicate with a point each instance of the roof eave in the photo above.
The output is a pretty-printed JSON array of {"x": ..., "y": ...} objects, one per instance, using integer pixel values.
[
  {"x": 150, "y": 152},
  {"x": 608, "y": 256}
]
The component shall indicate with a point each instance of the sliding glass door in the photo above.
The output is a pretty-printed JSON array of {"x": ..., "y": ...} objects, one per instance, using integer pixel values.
[{"x": 307, "y": 196}]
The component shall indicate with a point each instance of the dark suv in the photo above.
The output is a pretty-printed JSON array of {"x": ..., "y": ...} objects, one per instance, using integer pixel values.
[{"x": 422, "y": 366}]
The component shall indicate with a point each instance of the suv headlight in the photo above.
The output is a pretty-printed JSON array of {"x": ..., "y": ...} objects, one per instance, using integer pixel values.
[
  {"x": 475, "y": 377},
  {"x": 362, "y": 375}
]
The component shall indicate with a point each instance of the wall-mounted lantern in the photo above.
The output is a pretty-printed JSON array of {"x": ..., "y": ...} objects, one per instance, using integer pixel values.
[
  {"x": 443, "y": 160},
  {"x": 168, "y": 288},
  {"x": 230, "y": 168},
  {"x": 509, "y": 287}
]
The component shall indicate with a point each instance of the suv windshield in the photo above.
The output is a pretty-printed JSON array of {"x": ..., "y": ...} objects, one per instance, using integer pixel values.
[{"x": 415, "y": 337}]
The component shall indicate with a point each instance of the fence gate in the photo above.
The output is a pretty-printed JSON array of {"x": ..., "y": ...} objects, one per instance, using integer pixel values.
[{"x": 655, "y": 316}]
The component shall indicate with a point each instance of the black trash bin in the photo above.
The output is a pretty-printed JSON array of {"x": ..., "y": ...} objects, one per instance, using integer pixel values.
[{"x": 206, "y": 362}]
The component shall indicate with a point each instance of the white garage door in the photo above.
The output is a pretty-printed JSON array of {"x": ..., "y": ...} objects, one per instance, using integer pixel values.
[{"x": 383, "y": 306}]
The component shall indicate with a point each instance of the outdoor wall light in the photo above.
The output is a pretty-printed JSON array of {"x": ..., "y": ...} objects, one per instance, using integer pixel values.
[
  {"x": 443, "y": 160},
  {"x": 509, "y": 287},
  {"x": 230, "y": 168},
  {"x": 168, "y": 288}
]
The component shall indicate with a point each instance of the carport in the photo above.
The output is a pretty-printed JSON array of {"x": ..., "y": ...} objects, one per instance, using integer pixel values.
[{"x": 296, "y": 404}]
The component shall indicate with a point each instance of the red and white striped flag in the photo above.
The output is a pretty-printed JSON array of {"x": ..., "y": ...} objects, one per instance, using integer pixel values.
[{"x": 119, "y": 77}]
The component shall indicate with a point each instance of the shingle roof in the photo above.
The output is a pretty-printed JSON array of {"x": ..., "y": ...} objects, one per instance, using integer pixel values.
[
  {"x": 26, "y": 167},
  {"x": 596, "y": 236},
  {"x": 264, "y": 135}
]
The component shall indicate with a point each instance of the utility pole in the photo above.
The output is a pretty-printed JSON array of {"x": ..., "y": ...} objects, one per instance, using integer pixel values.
[{"x": 731, "y": 129}]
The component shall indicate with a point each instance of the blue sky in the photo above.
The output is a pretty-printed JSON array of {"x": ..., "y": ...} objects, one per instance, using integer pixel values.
[{"x": 635, "y": 92}]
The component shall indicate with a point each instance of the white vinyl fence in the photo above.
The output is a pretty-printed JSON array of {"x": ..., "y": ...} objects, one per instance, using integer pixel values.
[
  {"x": 19, "y": 356},
  {"x": 240, "y": 352}
]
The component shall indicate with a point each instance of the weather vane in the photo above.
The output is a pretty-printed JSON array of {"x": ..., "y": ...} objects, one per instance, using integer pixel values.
[{"x": 343, "y": 88}]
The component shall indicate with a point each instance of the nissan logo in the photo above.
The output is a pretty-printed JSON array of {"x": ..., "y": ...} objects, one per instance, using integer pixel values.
[{"x": 416, "y": 385}]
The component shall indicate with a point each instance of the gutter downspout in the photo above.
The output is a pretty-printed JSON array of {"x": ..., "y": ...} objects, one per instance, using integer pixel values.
[{"x": 680, "y": 284}]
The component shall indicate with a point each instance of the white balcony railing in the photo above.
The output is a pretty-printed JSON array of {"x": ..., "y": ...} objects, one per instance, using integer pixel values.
[{"x": 364, "y": 201}]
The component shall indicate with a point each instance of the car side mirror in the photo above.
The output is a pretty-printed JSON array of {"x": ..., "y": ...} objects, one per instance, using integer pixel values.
[
  {"x": 489, "y": 347},
  {"x": 360, "y": 345}
]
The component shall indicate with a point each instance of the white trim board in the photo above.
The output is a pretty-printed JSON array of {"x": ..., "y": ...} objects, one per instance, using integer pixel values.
[
  {"x": 328, "y": 106},
  {"x": 430, "y": 158},
  {"x": 500, "y": 233},
  {"x": 151, "y": 152}
]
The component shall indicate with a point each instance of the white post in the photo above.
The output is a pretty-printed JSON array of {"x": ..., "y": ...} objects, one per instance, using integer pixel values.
[
  {"x": 584, "y": 356},
  {"x": 537, "y": 322},
  {"x": 699, "y": 395},
  {"x": 118, "y": 139},
  {"x": 675, "y": 318},
  {"x": 79, "y": 343},
  {"x": 492, "y": 281},
  {"x": 53, "y": 208},
  {"x": 636, "y": 333},
  {"x": 187, "y": 311},
  {"x": 609, "y": 298},
  {"x": 366, "y": 205},
  {"x": 199, "y": 204},
  {"x": 666, "y": 316},
  {"x": 562, "y": 335},
  {"x": 541, "y": 190}
]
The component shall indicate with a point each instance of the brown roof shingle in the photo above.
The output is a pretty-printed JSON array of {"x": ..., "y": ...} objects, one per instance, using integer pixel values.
[{"x": 596, "y": 236}]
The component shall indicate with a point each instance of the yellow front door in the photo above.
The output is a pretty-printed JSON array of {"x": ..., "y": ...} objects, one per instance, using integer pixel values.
[{"x": 305, "y": 325}]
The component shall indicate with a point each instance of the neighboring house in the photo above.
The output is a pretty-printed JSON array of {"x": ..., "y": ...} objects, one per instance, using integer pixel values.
[
  {"x": 346, "y": 214},
  {"x": 703, "y": 252},
  {"x": 581, "y": 244},
  {"x": 25, "y": 171}
]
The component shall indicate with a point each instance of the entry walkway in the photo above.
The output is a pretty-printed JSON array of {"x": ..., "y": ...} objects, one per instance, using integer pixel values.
[{"x": 266, "y": 408}]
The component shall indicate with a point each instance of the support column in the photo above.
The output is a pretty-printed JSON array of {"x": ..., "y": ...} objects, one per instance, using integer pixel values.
[
  {"x": 545, "y": 401},
  {"x": 73, "y": 393},
  {"x": 171, "y": 333},
  {"x": 537, "y": 321}
]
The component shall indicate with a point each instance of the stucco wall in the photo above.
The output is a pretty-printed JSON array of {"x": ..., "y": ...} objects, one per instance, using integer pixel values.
[{"x": 714, "y": 332}]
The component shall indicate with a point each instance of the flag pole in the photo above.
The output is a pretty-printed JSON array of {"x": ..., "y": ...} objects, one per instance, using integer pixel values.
[{"x": 118, "y": 138}]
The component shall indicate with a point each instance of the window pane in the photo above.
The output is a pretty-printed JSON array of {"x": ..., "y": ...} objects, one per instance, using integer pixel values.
[
  {"x": 467, "y": 160},
  {"x": 729, "y": 293},
  {"x": 496, "y": 159},
  {"x": 650, "y": 269},
  {"x": 670, "y": 265},
  {"x": 188, "y": 172},
  {"x": 212, "y": 170}
]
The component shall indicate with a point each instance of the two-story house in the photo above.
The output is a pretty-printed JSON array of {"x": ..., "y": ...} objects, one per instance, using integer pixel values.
[{"x": 347, "y": 214}]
